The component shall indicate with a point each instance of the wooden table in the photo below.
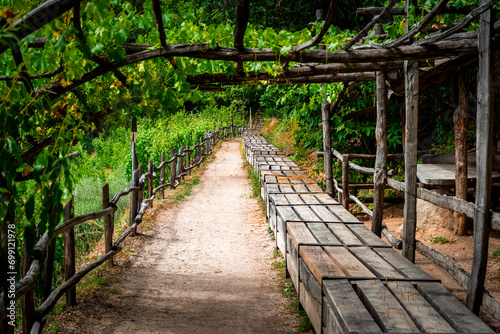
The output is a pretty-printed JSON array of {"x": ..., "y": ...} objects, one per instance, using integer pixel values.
[{"x": 443, "y": 174}]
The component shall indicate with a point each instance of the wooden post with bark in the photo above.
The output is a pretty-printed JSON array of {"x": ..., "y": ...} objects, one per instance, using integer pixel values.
[
  {"x": 28, "y": 299},
  {"x": 172, "y": 167},
  {"x": 380, "y": 174},
  {"x": 484, "y": 162},
  {"x": 411, "y": 135},
  {"x": 108, "y": 222},
  {"x": 49, "y": 262},
  {"x": 69, "y": 254},
  {"x": 327, "y": 148},
  {"x": 162, "y": 175},
  {"x": 150, "y": 182},
  {"x": 134, "y": 182},
  {"x": 345, "y": 181},
  {"x": 460, "y": 126},
  {"x": 188, "y": 160},
  {"x": 180, "y": 165}
]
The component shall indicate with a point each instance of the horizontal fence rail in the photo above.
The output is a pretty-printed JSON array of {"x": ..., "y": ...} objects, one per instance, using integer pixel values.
[{"x": 181, "y": 164}]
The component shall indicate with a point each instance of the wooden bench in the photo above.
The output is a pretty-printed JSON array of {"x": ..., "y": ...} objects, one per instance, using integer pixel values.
[{"x": 348, "y": 279}]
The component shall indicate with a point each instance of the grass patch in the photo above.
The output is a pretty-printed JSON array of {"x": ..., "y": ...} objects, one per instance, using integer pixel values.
[{"x": 442, "y": 240}]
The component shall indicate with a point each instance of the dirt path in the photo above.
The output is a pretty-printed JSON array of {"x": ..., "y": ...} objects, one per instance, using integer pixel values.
[{"x": 208, "y": 269}]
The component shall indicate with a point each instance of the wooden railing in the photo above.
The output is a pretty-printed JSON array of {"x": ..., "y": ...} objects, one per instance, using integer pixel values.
[{"x": 181, "y": 164}]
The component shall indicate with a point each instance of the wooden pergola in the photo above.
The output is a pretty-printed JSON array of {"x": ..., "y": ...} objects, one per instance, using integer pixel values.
[{"x": 352, "y": 63}]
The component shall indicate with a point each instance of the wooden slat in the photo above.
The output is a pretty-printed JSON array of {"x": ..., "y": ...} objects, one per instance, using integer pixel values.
[
  {"x": 306, "y": 214},
  {"x": 299, "y": 232},
  {"x": 309, "y": 199},
  {"x": 459, "y": 316},
  {"x": 375, "y": 263},
  {"x": 384, "y": 308},
  {"x": 294, "y": 199},
  {"x": 319, "y": 263},
  {"x": 402, "y": 264},
  {"x": 287, "y": 213},
  {"x": 427, "y": 319},
  {"x": 344, "y": 234},
  {"x": 343, "y": 214},
  {"x": 323, "y": 213},
  {"x": 322, "y": 233},
  {"x": 366, "y": 236},
  {"x": 351, "y": 315},
  {"x": 347, "y": 262}
]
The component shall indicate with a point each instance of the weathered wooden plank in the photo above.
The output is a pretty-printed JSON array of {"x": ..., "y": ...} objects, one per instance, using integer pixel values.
[
  {"x": 458, "y": 316},
  {"x": 425, "y": 317},
  {"x": 322, "y": 233},
  {"x": 342, "y": 213},
  {"x": 324, "y": 214},
  {"x": 384, "y": 308},
  {"x": 365, "y": 235},
  {"x": 350, "y": 313},
  {"x": 298, "y": 232},
  {"x": 306, "y": 214},
  {"x": 400, "y": 263},
  {"x": 344, "y": 234},
  {"x": 319, "y": 263},
  {"x": 310, "y": 199},
  {"x": 375, "y": 263},
  {"x": 294, "y": 199},
  {"x": 347, "y": 262}
]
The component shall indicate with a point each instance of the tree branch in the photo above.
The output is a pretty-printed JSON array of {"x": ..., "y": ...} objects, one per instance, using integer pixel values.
[{"x": 328, "y": 22}]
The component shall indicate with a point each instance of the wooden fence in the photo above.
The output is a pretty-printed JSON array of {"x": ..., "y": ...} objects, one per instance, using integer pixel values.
[
  {"x": 452, "y": 203},
  {"x": 180, "y": 165}
]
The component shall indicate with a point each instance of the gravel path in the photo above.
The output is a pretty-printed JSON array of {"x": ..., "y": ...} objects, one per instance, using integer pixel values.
[{"x": 209, "y": 267}]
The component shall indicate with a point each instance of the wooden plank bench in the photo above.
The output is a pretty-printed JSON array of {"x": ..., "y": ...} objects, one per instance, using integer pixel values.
[{"x": 348, "y": 279}]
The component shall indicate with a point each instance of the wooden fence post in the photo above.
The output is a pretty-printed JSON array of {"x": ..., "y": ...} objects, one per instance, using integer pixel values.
[
  {"x": 172, "y": 167},
  {"x": 380, "y": 174},
  {"x": 188, "y": 160},
  {"x": 484, "y": 162},
  {"x": 345, "y": 181},
  {"x": 150, "y": 182},
  {"x": 232, "y": 127},
  {"x": 180, "y": 165},
  {"x": 28, "y": 299},
  {"x": 460, "y": 119},
  {"x": 162, "y": 175},
  {"x": 49, "y": 263},
  {"x": 133, "y": 156},
  {"x": 69, "y": 254},
  {"x": 134, "y": 182},
  {"x": 207, "y": 144},
  {"x": 200, "y": 148},
  {"x": 108, "y": 222},
  {"x": 327, "y": 148}
]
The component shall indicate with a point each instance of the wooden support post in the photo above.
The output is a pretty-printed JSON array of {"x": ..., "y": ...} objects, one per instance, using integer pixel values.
[
  {"x": 133, "y": 156},
  {"x": 180, "y": 165},
  {"x": 232, "y": 127},
  {"x": 345, "y": 181},
  {"x": 327, "y": 148},
  {"x": 69, "y": 254},
  {"x": 484, "y": 162},
  {"x": 460, "y": 120},
  {"x": 49, "y": 262},
  {"x": 108, "y": 222},
  {"x": 411, "y": 129},
  {"x": 140, "y": 195},
  {"x": 188, "y": 159},
  {"x": 410, "y": 150},
  {"x": 150, "y": 182},
  {"x": 380, "y": 174},
  {"x": 162, "y": 175},
  {"x": 172, "y": 167},
  {"x": 200, "y": 148},
  {"x": 134, "y": 182},
  {"x": 28, "y": 299},
  {"x": 251, "y": 125}
]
